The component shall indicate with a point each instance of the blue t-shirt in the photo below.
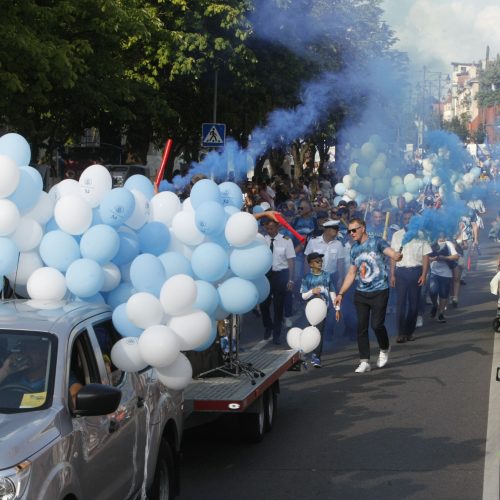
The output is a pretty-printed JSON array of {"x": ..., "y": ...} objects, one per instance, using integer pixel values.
[
  {"x": 324, "y": 280},
  {"x": 368, "y": 257}
]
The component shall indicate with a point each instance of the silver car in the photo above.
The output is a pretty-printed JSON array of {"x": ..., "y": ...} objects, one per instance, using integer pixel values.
[{"x": 73, "y": 426}]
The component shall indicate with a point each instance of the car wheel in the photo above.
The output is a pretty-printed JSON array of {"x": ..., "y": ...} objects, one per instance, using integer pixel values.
[
  {"x": 270, "y": 407},
  {"x": 163, "y": 482},
  {"x": 252, "y": 425}
]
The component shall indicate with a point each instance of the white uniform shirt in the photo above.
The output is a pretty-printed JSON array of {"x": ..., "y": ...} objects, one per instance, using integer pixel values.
[
  {"x": 413, "y": 251},
  {"x": 333, "y": 251},
  {"x": 441, "y": 268},
  {"x": 282, "y": 251}
]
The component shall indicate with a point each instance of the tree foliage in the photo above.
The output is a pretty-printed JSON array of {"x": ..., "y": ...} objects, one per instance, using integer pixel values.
[{"x": 489, "y": 85}]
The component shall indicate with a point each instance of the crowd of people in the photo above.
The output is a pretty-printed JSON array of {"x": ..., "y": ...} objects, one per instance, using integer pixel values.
[{"x": 360, "y": 260}]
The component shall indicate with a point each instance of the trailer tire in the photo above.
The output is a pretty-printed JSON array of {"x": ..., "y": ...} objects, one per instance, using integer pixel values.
[
  {"x": 252, "y": 425},
  {"x": 164, "y": 479},
  {"x": 270, "y": 408},
  {"x": 496, "y": 325}
]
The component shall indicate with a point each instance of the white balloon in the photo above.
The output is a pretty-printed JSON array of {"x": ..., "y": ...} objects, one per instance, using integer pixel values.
[
  {"x": 9, "y": 179},
  {"x": 185, "y": 230},
  {"x": 178, "y": 375},
  {"x": 28, "y": 234},
  {"x": 241, "y": 229},
  {"x": 63, "y": 188},
  {"x": 47, "y": 283},
  {"x": 316, "y": 310},
  {"x": 164, "y": 206},
  {"x": 193, "y": 329},
  {"x": 347, "y": 181},
  {"x": 178, "y": 294},
  {"x": 142, "y": 211},
  {"x": 309, "y": 339},
  {"x": 112, "y": 277},
  {"x": 436, "y": 181},
  {"x": 95, "y": 182},
  {"x": 396, "y": 180},
  {"x": 73, "y": 214},
  {"x": 408, "y": 197},
  {"x": 9, "y": 217},
  {"x": 186, "y": 205},
  {"x": 144, "y": 310},
  {"x": 293, "y": 338},
  {"x": 159, "y": 346},
  {"x": 408, "y": 178},
  {"x": 351, "y": 193},
  {"x": 126, "y": 356},
  {"x": 43, "y": 211},
  {"x": 29, "y": 262}
]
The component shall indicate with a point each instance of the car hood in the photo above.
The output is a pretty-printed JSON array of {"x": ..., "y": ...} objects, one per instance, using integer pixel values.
[{"x": 23, "y": 434}]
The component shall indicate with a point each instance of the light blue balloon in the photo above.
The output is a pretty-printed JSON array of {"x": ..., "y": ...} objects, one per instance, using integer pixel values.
[
  {"x": 100, "y": 243},
  {"x": 154, "y": 238},
  {"x": 140, "y": 183},
  {"x": 51, "y": 225},
  {"x": 147, "y": 274},
  {"x": 128, "y": 249},
  {"x": 210, "y": 218},
  {"x": 252, "y": 261},
  {"x": 16, "y": 147},
  {"x": 175, "y": 263},
  {"x": 230, "y": 210},
  {"x": 207, "y": 298},
  {"x": 263, "y": 287},
  {"x": 123, "y": 325},
  {"x": 204, "y": 190},
  {"x": 231, "y": 195},
  {"x": 95, "y": 299},
  {"x": 117, "y": 206},
  {"x": 120, "y": 294},
  {"x": 84, "y": 278},
  {"x": 257, "y": 209},
  {"x": 9, "y": 255},
  {"x": 59, "y": 249},
  {"x": 28, "y": 190},
  {"x": 238, "y": 296},
  {"x": 96, "y": 217},
  {"x": 211, "y": 339},
  {"x": 209, "y": 261}
]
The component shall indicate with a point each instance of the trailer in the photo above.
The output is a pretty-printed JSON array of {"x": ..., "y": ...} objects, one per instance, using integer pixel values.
[{"x": 245, "y": 384}]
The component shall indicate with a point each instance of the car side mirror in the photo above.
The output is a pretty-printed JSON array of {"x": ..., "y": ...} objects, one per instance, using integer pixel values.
[{"x": 96, "y": 399}]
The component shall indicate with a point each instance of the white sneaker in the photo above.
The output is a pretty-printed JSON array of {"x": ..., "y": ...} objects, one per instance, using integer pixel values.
[
  {"x": 383, "y": 358},
  {"x": 364, "y": 366},
  {"x": 420, "y": 322}
]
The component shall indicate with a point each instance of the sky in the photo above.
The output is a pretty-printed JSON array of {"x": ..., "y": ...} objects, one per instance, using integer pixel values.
[{"x": 436, "y": 32}]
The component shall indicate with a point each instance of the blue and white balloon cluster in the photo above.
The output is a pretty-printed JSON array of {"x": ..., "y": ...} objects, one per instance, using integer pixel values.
[{"x": 168, "y": 269}]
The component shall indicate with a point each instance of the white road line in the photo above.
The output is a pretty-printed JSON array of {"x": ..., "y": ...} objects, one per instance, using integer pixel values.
[{"x": 491, "y": 479}]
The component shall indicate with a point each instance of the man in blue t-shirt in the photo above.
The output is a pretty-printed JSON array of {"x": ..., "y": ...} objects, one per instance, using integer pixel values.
[{"x": 372, "y": 290}]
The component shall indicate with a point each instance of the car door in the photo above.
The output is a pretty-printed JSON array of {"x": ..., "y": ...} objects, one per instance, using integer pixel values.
[
  {"x": 130, "y": 417},
  {"x": 104, "y": 467}
]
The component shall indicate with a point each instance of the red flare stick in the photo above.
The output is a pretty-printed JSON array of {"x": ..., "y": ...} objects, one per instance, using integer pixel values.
[
  {"x": 164, "y": 160},
  {"x": 283, "y": 222}
]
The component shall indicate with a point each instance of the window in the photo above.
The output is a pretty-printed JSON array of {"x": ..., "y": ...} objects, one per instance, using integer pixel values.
[{"x": 107, "y": 336}]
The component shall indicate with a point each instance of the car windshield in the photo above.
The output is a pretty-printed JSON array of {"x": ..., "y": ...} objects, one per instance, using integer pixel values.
[{"x": 27, "y": 362}]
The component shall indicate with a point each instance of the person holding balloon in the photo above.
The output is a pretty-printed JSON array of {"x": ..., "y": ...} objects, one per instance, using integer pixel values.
[
  {"x": 318, "y": 284},
  {"x": 372, "y": 290}
]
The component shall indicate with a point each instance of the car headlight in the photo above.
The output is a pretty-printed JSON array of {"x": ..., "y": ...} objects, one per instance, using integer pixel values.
[{"x": 13, "y": 481}]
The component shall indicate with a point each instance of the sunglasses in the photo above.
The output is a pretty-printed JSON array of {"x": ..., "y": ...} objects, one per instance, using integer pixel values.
[{"x": 354, "y": 229}]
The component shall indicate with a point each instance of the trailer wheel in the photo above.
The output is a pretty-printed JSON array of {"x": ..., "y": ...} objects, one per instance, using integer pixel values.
[
  {"x": 252, "y": 425},
  {"x": 496, "y": 324},
  {"x": 163, "y": 482},
  {"x": 270, "y": 407}
]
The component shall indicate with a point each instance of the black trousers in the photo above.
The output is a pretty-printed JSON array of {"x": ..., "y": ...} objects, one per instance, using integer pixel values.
[
  {"x": 370, "y": 309},
  {"x": 278, "y": 281},
  {"x": 408, "y": 298}
]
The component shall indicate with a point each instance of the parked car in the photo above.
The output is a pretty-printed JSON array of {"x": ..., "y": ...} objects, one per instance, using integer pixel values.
[
  {"x": 120, "y": 173},
  {"x": 72, "y": 425}
]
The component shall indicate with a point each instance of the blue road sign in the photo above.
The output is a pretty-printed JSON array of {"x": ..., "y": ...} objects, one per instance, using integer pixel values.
[{"x": 213, "y": 135}]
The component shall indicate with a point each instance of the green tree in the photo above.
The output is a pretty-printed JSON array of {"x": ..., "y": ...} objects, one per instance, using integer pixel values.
[{"x": 489, "y": 85}]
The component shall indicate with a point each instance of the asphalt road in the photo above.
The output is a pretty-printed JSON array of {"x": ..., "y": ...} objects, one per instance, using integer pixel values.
[{"x": 413, "y": 430}]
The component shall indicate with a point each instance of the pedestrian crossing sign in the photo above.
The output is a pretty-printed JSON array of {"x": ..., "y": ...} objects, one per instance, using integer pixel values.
[{"x": 213, "y": 135}]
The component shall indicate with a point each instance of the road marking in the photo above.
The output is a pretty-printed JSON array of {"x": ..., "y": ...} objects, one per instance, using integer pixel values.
[{"x": 491, "y": 479}]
